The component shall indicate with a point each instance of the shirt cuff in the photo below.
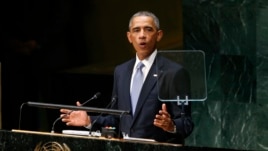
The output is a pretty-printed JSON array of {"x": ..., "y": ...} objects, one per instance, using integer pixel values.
[
  {"x": 174, "y": 130},
  {"x": 88, "y": 126}
]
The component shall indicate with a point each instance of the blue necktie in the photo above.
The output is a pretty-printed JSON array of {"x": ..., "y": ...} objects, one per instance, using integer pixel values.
[{"x": 136, "y": 86}]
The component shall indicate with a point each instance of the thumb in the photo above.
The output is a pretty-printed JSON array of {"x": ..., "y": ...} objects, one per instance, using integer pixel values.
[
  {"x": 164, "y": 107},
  {"x": 78, "y": 103}
]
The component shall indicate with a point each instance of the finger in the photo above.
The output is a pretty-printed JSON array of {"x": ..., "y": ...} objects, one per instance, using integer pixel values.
[
  {"x": 158, "y": 122},
  {"x": 163, "y": 115},
  {"x": 158, "y": 117},
  {"x": 68, "y": 123},
  {"x": 65, "y": 120},
  {"x": 164, "y": 111},
  {"x": 161, "y": 124},
  {"x": 64, "y": 111},
  {"x": 63, "y": 115}
]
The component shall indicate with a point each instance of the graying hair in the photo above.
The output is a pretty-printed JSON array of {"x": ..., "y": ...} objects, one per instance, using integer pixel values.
[{"x": 146, "y": 13}]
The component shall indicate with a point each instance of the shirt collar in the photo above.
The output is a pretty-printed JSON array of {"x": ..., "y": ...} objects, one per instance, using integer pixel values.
[{"x": 147, "y": 61}]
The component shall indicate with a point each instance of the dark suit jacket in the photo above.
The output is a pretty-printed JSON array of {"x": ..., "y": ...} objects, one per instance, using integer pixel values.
[{"x": 141, "y": 124}]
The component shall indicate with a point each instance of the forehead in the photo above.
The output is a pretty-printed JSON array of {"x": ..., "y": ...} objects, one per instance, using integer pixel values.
[{"x": 142, "y": 21}]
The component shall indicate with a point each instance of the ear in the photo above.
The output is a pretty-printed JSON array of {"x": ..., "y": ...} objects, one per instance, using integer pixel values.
[
  {"x": 159, "y": 35},
  {"x": 129, "y": 37}
]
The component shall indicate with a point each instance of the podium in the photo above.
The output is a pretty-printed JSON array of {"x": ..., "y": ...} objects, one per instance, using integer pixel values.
[{"x": 20, "y": 140}]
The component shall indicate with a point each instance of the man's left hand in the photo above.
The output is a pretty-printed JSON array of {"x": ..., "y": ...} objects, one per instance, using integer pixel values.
[{"x": 163, "y": 120}]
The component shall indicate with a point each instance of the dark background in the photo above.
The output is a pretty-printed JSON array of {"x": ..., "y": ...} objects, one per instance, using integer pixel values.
[{"x": 57, "y": 51}]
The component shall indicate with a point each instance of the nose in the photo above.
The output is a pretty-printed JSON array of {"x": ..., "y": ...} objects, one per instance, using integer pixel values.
[{"x": 142, "y": 34}]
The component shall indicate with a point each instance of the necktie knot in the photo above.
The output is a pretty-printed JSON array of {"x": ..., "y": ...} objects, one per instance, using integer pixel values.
[{"x": 140, "y": 65}]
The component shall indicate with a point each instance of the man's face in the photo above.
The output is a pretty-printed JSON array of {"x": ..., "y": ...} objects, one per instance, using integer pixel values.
[{"x": 143, "y": 34}]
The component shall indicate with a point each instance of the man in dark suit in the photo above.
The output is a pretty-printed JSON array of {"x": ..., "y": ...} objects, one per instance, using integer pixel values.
[{"x": 149, "y": 118}]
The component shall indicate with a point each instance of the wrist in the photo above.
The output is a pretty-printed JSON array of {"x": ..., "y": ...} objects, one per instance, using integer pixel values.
[
  {"x": 174, "y": 129},
  {"x": 88, "y": 123}
]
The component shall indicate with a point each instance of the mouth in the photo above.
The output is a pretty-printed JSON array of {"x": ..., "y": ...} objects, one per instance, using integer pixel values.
[{"x": 142, "y": 44}]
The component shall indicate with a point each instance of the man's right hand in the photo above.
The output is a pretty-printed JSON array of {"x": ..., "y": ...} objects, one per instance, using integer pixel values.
[{"x": 75, "y": 118}]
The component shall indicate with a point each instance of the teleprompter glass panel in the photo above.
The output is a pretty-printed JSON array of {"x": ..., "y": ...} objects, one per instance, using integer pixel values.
[{"x": 181, "y": 75}]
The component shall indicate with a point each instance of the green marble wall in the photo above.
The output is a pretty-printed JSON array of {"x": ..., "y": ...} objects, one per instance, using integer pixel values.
[{"x": 234, "y": 36}]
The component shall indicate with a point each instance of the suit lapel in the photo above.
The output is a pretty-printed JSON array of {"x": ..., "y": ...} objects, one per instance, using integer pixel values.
[{"x": 127, "y": 81}]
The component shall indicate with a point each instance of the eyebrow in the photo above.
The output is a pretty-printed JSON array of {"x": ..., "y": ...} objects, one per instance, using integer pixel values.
[{"x": 138, "y": 27}]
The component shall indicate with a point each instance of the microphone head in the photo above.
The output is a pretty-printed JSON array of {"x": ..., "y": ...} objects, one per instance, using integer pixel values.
[
  {"x": 114, "y": 98},
  {"x": 97, "y": 95}
]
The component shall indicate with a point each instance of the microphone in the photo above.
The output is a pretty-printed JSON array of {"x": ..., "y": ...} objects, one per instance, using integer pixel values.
[
  {"x": 21, "y": 106},
  {"x": 97, "y": 95},
  {"x": 110, "y": 105}
]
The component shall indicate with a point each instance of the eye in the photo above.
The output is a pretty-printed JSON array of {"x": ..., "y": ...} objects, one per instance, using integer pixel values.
[
  {"x": 149, "y": 29},
  {"x": 135, "y": 29}
]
